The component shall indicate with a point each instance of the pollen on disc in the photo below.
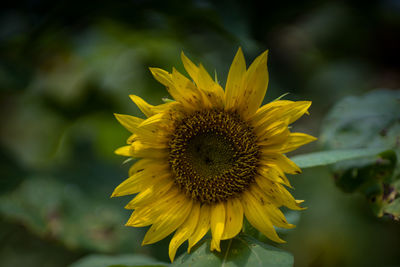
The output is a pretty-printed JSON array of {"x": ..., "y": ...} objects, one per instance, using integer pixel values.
[{"x": 213, "y": 155}]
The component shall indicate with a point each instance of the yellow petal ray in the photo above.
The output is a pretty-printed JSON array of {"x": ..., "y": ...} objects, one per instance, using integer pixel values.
[
  {"x": 275, "y": 142},
  {"x": 297, "y": 110},
  {"x": 256, "y": 82},
  {"x": 184, "y": 231},
  {"x": 268, "y": 108},
  {"x": 146, "y": 215},
  {"x": 124, "y": 151},
  {"x": 217, "y": 225},
  {"x": 202, "y": 227},
  {"x": 140, "y": 150},
  {"x": 258, "y": 218},
  {"x": 131, "y": 123},
  {"x": 131, "y": 139},
  {"x": 162, "y": 124},
  {"x": 277, "y": 193},
  {"x": 234, "y": 218},
  {"x": 213, "y": 91},
  {"x": 150, "y": 110},
  {"x": 141, "y": 179},
  {"x": 181, "y": 89},
  {"x": 267, "y": 132},
  {"x": 187, "y": 88},
  {"x": 140, "y": 165},
  {"x": 169, "y": 221},
  {"x": 190, "y": 67},
  {"x": 151, "y": 135},
  {"x": 145, "y": 107},
  {"x": 281, "y": 110},
  {"x": 271, "y": 172},
  {"x": 234, "y": 81},
  {"x": 269, "y": 209},
  {"x": 164, "y": 77},
  {"x": 280, "y": 160},
  {"x": 156, "y": 118},
  {"x": 159, "y": 186},
  {"x": 296, "y": 140}
]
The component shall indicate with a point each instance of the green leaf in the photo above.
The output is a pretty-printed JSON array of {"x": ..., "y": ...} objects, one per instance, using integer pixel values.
[
  {"x": 333, "y": 156},
  {"x": 98, "y": 260},
  {"x": 241, "y": 251},
  {"x": 371, "y": 121},
  {"x": 50, "y": 208}
]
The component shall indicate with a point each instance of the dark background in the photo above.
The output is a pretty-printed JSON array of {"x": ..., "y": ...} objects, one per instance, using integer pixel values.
[{"x": 67, "y": 66}]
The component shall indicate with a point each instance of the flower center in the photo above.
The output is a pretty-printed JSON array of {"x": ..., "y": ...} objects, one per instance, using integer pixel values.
[{"x": 213, "y": 155}]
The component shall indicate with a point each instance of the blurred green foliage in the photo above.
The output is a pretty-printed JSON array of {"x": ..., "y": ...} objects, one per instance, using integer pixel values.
[
  {"x": 371, "y": 121},
  {"x": 67, "y": 66},
  {"x": 240, "y": 251}
]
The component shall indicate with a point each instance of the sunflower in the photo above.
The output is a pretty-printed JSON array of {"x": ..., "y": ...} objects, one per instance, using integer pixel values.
[{"x": 211, "y": 158}]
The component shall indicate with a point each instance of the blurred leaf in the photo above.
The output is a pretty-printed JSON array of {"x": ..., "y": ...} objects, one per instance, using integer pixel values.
[
  {"x": 98, "y": 260},
  {"x": 50, "y": 208},
  {"x": 240, "y": 251},
  {"x": 371, "y": 121},
  {"x": 332, "y": 156},
  {"x": 19, "y": 247}
]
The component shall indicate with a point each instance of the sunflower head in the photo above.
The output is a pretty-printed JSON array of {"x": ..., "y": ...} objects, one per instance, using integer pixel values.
[{"x": 212, "y": 157}]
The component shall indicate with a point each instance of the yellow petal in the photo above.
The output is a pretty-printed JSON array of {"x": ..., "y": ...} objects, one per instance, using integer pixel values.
[
  {"x": 265, "y": 132},
  {"x": 164, "y": 77},
  {"x": 256, "y": 82},
  {"x": 150, "y": 135},
  {"x": 281, "y": 110},
  {"x": 149, "y": 213},
  {"x": 129, "y": 122},
  {"x": 150, "y": 110},
  {"x": 280, "y": 160},
  {"x": 162, "y": 124},
  {"x": 141, "y": 179},
  {"x": 159, "y": 186},
  {"x": 234, "y": 218},
  {"x": 169, "y": 221},
  {"x": 140, "y": 165},
  {"x": 297, "y": 110},
  {"x": 145, "y": 107},
  {"x": 124, "y": 151},
  {"x": 217, "y": 224},
  {"x": 272, "y": 173},
  {"x": 187, "y": 88},
  {"x": 190, "y": 67},
  {"x": 269, "y": 209},
  {"x": 277, "y": 193},
  {"x": 203, "y": 225},
  {"x": 140, "y": 150},
  {"x": 234, "y": 81},
  {"x": 258, "y": 218},
  {"x": 212, "y": 91},
  {"x": 185, "y": 231},
  {"x": 296, "y": 140},
  {"x": 275, "y": 141},
  {"x": 268, "y": 108},
  {"x": 180, "y": 88}
]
